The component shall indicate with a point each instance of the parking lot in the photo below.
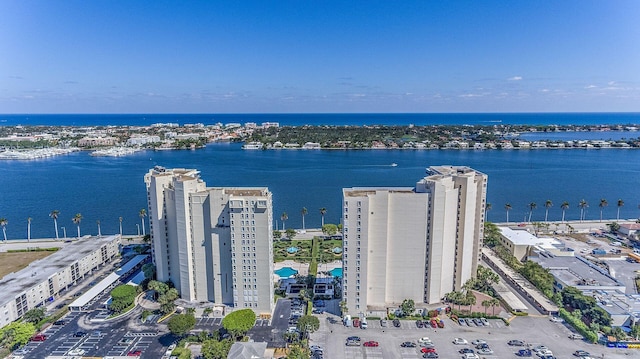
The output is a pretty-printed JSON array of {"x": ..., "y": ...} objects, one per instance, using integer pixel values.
[{"x": 533, "y": 330}]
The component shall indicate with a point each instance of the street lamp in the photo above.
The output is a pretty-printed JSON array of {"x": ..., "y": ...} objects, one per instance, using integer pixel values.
[
  {"x": 64, "y": 230},
  {"x": 137, "y": 225}
]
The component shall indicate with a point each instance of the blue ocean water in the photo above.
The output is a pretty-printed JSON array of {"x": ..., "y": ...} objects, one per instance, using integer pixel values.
[
  {"x": 328, "y": 119},
  {"x": 105, "y": 188}
]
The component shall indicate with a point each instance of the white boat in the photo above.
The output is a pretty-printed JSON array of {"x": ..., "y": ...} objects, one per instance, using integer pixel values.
[
  {"x": 253, "y": 146},
  {"x": 394, "y": 165},
  {"x": 115, "y": 152}
]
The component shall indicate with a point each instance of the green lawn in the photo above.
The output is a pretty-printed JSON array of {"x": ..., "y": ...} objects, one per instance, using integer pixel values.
[{"x": 324, "y": 250}]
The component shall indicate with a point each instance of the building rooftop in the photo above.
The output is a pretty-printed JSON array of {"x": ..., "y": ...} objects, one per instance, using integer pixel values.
[
  {"x": 577, "y": 271},
  {"x": 249, "y": 191},
  {"x": 39, "y": 271},
  {"x": 523, "y": 237},
  {"x": 363, "y": 191}
]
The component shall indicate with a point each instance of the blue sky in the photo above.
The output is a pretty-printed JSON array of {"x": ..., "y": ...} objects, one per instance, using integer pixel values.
[{"x": 319, "y": 56}]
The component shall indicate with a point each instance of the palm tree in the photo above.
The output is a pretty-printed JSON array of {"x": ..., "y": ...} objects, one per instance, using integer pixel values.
[
  {"x": 29, "y": 229},
  {"x": 620, "y": 204},
  {"x": 507, "y": 207},
  {"x": 603, "y": 203},
  {"x": 494, "y": 302},
  {"x": 284, "y": 218},
  {"x": 120, "y": 219},
  {"x": 547, "y": 205},
  {"x": 486, "y": 304},
  {"x": 54, "y": 214},
  {"x": 583, "y": 205},
  {"x": 532, "y": 206},
  {"x": 77, "y": 219},
  {"x": 564, "y": 207},
  {"x": 304, "y": 213},
  {"x": 142, "y": 214},
  {"x": 322, "y": 213},
  {"x": 3, "y": 223},
  {"x": 99, "y": 233},
  {"x": 487, "y": 208}
]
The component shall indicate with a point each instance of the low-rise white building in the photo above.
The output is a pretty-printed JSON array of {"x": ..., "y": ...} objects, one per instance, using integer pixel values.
[
  {"x": 522, "y": 244},
  {"x": 43, "y": 280}
]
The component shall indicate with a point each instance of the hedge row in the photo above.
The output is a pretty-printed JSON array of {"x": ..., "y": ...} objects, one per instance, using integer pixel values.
[{"x": 578, "y": 325}]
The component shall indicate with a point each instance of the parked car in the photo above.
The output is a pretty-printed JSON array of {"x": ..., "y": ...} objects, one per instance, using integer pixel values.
[
  {"x": 440, "y": 324},
  {"x": 468, "y": 321},
  {"x": 79, "y": 334},
  {"x": 484, "y": 321},
  {"x": 465, "y": 351},
  {"x": 59, "y": 322},
  {"x": 516, "y": 343},
  {"x": 434, "y": 323},
  {"x": 419, "y": 323},
  {"x": 134, "y": 353},
  {"x": 77, "y": 351},
  {"x": 356, "y": 323},
  {"x": 479, "y": 341},
  {"x": 38, "y": 338},
  {"x": 556, "y": 319},
  {"x": 408, "y": 345},
  {"x": 371, "y": 343},
  {"x": 544, "y": 353},
  {"x": 460, "y": 341},
  {"x": 575, "y": 336},
  {"x": 485, "y": 351},
  {"x": 581, "y": 353},
  {"x": 425, "y": 340},
  {"x": 524, "y": 353},
  {"x": 432, "y": 355},
  {"x": 352, "y": 343},
  {"x": 383, "y": 323},
  {"x": 427, "y": 350},
  {"x": 461, "y": 321},
  {"x": 356, "y": 338},
  {"x": 396, "y": 323}
]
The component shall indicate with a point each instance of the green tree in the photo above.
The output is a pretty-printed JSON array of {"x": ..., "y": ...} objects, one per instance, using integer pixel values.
[
  {"x": 547, "y": 204},
  {"x": 582, "y": 205},
  {"x": 166, "y": 300},
  {"x": 564, "y": 207},
  {"x": 532, "y": 206},
  {"x": 283, "y": 217},
  {"x": 181, "y": 324},
  {"x": 277, "y": 235},
  {"x": 618, "y": 333},
  {"x": 344, "y": 309},
  {"x": 142, "y": 214},
  {"x": 603, "y": 203},
  {"x": 487, "y": 208},
  {"x": 213, "y": 349},
  {"x": 3, "y": 223},
  {"x": 619, "y": 204},
  {"x": 76, "y": 220},
  {"x": 507, "y": 208},
  {"x": 157, "y": 286},
  {"x": 291, "y": 233},
  {"x": 491, "y": 234},
  {"x": 298, "y": 351},
  {"x": 16, "y": 334},
  {"x": 407, "y": 307},
  {"x": 123, "y": 297},
  {"x": 635, "y": 331},
  {"x": 34, "y": 315},
  {"x": 308, "y": 324},
  {"x": 303, "y": 212},
  {"x": 149, "y": 270},
  {"x": 323, "y": 211},
  {"x": 613, "y": 227},
  {"x": 329, "y": 229},
  {"x": 238, "y": 322},
  {"x": 54, "y": 214}
]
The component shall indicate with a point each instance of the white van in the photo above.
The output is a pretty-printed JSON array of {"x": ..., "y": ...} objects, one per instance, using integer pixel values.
[{"x": 363, "y": 323}]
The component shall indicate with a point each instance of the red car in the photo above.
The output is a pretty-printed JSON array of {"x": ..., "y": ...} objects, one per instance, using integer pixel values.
[
  {"x": 433, "y": 323},
  {"x": 38, "y": 338},
  {"x": 371, "y": 343},
  {"x": 134, "y": 353},
  {"x": 428, "y": 350}
]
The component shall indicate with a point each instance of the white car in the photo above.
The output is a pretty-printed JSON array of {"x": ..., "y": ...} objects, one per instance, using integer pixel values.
[
  {"x": 556, "y": 319},
  {"x": 540, "y": 348},
  {"x": 470, "y": 356},
  {"x": 479, "y": 341},
  {"x": 544, "y": 353},
  {"x": 425, "y": 340},
  {"x": 77, "y": 351},
  {"x": 485, "y": 351},
  {"x": 460, "y": 341}
]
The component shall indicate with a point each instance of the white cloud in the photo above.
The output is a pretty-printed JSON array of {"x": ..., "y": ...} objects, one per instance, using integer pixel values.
[
  {"x": 515, "y": 78},
  {"x": 591, "y": 87}
]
